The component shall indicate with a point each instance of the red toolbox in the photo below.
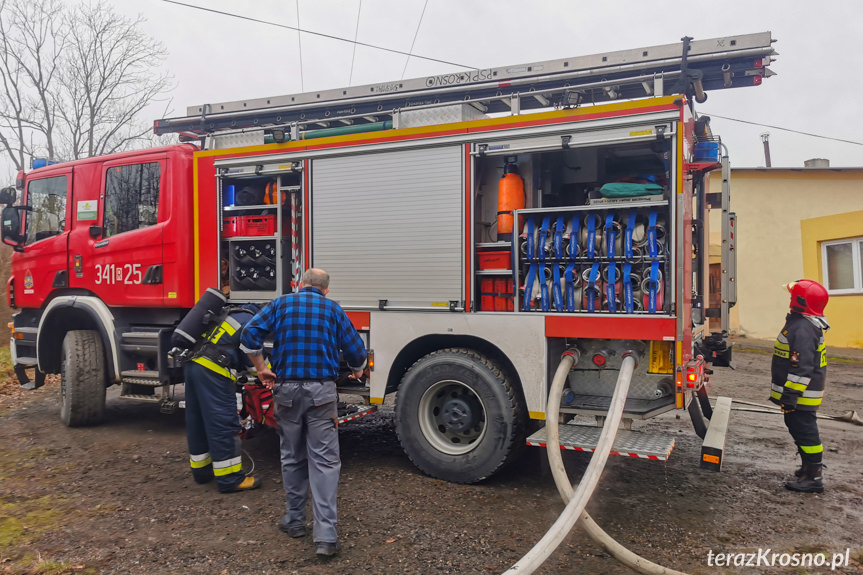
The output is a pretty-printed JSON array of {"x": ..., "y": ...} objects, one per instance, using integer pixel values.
[
  {"x": 495, "y": 260},
  {"x": 254, "y": 226}
]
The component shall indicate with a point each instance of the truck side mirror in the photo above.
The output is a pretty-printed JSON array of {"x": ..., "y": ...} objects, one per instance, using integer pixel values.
[
  {"x": 10, "y": 226},
  {"x": 8, "y": 195}
]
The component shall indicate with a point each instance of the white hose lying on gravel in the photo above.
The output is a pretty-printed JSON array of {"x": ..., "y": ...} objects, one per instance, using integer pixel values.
[
  {"x": 596, "y": 532},
  {"x": 570, "y": 514},
  {"x": 577, "y": 499}
]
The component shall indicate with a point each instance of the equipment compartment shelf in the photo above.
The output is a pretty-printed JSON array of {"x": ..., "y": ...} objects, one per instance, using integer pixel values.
[{"x": 236, "y": 208}]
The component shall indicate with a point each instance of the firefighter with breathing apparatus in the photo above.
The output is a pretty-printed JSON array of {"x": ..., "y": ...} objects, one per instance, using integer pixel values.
[
  {"x": 211, "y": 361},
  {"x": 798, "y": 370}
]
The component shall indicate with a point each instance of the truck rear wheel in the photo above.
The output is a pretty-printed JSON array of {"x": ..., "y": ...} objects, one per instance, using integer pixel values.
[
  {"x": 458, "y": 417},
  {"x": 82, "y": 379}
]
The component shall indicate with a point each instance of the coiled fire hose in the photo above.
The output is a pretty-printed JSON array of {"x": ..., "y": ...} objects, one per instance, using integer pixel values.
[{"x": 577, "y": 499}]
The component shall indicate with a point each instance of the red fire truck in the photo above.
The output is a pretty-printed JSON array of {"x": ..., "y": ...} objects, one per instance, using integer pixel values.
[{"x": 475, "y": 225}]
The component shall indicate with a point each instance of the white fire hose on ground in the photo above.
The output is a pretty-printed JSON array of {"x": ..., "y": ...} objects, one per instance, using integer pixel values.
[{"x": 577, "y": 499}]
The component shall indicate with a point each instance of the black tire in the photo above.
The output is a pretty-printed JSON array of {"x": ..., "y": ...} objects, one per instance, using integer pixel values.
[
  {"x": 82, "y": 379},
  {"x": 458, "y": 417}
]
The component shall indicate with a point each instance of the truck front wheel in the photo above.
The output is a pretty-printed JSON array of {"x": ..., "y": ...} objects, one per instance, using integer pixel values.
[
  {"x": 82, "y": 379},
  {"x": 458, "y": 417}
]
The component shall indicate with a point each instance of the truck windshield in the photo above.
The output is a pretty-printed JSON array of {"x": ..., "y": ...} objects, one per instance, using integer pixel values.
[{"x": 47, "y": 198}]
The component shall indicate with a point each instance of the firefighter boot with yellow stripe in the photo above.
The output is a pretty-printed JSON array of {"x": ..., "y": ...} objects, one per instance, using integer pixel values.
[
  {"x": 810, "y": 480},
  {"x": 246, "y": 484}
]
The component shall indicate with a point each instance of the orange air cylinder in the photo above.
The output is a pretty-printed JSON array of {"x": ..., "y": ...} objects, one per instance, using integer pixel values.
[{"x": 510, "y": 196}]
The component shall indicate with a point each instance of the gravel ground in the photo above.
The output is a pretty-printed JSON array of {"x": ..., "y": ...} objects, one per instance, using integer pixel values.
[{"x": 118, "y": 498}]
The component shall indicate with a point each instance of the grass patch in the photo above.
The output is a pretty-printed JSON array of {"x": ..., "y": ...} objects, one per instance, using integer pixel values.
[
  {"x": 20, "y": 520},
  {"x": 37, "y": 565}
]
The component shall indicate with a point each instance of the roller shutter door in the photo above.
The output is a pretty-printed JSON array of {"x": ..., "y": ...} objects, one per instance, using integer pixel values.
[{"x": 388, "y": 226}]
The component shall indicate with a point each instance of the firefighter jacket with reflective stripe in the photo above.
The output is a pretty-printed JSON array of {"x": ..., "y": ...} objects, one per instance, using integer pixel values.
[
  {"x": 219, "y": 349},
  {"x": 799, "y": 363}
]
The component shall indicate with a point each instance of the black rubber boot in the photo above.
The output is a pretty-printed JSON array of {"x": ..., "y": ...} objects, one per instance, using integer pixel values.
[
  {"x": 799, "y": 472},
  {"x": 810, "y": 481}
]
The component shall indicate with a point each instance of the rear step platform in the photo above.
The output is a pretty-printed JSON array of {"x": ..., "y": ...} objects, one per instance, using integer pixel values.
[{"x": 577, "y": 437}]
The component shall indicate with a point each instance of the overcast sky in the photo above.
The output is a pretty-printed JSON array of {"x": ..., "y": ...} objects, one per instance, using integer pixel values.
[{"x": 216, "y": 58}]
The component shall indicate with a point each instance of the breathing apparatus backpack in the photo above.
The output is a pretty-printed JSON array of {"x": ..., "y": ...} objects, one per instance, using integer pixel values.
[{"x": 209, "y": 331}]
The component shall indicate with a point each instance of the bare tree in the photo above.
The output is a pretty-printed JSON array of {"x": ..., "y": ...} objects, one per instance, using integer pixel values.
[
  {"x": 32, "y": 38},
  {"x": 110, "y": 74},
  {"x": 75, "y": 79}
]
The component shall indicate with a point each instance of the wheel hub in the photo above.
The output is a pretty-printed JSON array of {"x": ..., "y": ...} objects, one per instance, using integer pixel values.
[
  {"x": 458, "y": 415},
  {"x": 452, "y": 417}
]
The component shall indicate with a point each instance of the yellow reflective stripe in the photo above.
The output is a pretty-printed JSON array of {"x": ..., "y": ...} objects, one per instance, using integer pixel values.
[
  {"x": 781, "y": 345},
  {"x": 213, "y": 366},
  {"x": 795, "y": 386},
  {"x": 221, "y": 468},
  {"x": 775, "y": 395},
  {"x": 812, "y": 448},
  {"x": 227, "y": 470},
  {"x": 809, "y": 401},
  {"x": 230, "y": 326},
  {"x": 199, "y": 461}
]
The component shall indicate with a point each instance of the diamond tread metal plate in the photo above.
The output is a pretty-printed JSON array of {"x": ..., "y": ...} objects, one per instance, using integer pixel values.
[{"x": 626, "y": 443}]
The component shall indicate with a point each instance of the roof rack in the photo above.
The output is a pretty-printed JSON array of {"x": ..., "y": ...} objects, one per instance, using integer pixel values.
[{"x": 691, "y": 67}]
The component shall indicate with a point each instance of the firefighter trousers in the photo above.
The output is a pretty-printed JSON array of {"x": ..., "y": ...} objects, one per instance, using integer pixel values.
[
  {"x": 803, "y": 426},
  {"x": 309, "y": 440},
  {"x": 212, "y": 427}
]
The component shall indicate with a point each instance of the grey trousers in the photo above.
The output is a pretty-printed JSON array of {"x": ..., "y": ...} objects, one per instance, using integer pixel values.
[{"x": 306, "y": 416}]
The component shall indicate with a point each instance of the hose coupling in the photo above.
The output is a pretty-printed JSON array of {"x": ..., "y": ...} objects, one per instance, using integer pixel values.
[{"x": 574, "y": 354}]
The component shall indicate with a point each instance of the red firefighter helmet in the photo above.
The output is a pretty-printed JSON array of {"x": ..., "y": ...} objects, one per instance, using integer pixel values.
[{"x": 808, "y": 297}]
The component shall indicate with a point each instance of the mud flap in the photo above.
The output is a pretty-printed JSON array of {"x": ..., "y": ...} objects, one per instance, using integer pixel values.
[{"x": 713, "y": 446}]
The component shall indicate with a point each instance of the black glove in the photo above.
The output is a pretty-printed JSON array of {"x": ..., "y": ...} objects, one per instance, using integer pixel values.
[{"x": 788, "y": 401}]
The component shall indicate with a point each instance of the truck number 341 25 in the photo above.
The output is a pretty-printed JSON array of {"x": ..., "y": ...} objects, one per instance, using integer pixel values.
[{"x": 118, "y": 273}]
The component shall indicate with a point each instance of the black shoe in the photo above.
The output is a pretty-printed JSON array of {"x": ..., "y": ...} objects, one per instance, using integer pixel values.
[
  {"x": 203, "y": 474},
  {"x": 810, "y": 480},
  {"x": 327, "y": 549},
  {"x": 799, "y": 472},
  {"x": 295, "y": 530},
  {"x": 246, "y": 484}
]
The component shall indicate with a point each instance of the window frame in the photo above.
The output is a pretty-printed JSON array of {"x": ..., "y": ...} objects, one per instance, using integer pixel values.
[
  {"x": 140, "y": 163},
  {"x": 856, "y": 265},
  {"x": 33, "y": 213}
]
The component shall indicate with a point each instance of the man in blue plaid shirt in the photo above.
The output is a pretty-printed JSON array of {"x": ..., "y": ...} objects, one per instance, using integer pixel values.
[{"x": 308, "y": 332}]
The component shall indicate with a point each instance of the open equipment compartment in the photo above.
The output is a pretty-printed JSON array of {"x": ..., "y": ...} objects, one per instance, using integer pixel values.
[{"x": 591, "y": 235}]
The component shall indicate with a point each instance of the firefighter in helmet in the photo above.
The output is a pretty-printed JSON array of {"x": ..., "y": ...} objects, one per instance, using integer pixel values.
[
  {"x": 798, "y": 373},
  {"x": 212, "y": 419}
]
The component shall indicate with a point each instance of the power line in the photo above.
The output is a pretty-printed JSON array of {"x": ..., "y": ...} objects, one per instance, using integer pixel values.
[
  {"x": 356, "y": 33},
  {"x": 786, "y": 130},
  {"x": 416, "y": 33},
  {"x": 331, "y": 37},
  {"x": 300, "y": 46}
]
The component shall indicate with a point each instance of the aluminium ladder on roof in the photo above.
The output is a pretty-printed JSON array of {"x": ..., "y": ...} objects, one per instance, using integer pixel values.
[{"x": 718, "y": 63}]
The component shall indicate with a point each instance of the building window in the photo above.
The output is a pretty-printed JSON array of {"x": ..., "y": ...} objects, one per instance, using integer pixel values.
[
  {"x": 131, "y": 198},
  {"x": 843, "y": 265}
]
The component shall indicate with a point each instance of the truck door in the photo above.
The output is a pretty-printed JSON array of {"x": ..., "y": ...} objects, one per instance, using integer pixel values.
[
  {"x": 43, "y": 261},
  {"x": 121, "y": 258}
]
